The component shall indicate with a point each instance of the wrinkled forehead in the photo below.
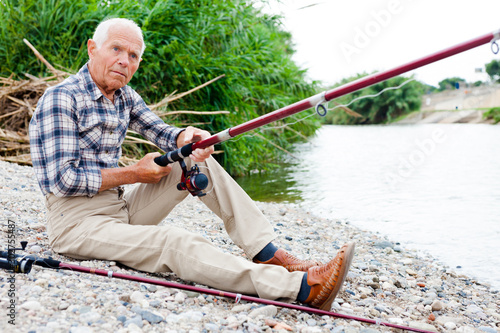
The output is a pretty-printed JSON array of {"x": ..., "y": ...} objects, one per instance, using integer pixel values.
[{"x": 125, "y": 36}]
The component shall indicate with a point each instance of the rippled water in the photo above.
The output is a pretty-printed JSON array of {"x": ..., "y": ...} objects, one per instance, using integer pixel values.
[{"x": 434, "y": 188}]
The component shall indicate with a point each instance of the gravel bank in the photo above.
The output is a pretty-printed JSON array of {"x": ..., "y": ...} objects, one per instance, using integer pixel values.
[{"x": 387, "y": 281}]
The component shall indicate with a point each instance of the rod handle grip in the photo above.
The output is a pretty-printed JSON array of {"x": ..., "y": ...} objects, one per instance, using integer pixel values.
[{"x": 174, "y": 155}]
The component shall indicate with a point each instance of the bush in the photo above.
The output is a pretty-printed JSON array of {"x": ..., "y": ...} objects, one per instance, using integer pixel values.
[{"x": 494, "y": 114}]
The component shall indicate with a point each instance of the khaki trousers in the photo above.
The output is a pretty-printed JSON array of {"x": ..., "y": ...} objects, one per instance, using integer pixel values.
[{"x": 124, "y": 228}]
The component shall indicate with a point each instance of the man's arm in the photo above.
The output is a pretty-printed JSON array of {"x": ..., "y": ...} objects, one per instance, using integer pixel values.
[
  {"x": 147, "y": 171},
  {"x": 55, "y": 147},
  {"x": 144, "y": 171}
]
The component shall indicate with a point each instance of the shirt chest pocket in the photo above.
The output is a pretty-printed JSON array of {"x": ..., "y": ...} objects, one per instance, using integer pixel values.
[{"x": 90, "y": 129}]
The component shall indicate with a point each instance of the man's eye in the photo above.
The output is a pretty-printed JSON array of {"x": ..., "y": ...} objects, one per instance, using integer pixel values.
[{"x": 115, "y": 48}]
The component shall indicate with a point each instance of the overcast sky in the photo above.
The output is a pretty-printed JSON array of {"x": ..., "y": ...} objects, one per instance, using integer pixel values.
[{"x": 338, "y": 39}]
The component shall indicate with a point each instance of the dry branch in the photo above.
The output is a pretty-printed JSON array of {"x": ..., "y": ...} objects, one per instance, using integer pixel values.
[
  {"x": 171, "y": 97},
  {"x": 42, "y": 59}
]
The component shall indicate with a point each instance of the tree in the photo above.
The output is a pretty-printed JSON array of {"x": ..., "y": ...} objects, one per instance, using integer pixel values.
[
  {"x": 493, "y": 70},
  {"x": 450, "y": 83}
]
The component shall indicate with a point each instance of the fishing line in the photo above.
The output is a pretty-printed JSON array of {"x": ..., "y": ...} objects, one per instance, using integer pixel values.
[
  {"x": 329, "y": 109},
  {"x": 367, "y": 96}
]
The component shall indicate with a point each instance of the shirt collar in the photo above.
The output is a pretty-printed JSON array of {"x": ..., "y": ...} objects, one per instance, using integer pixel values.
[{"x": 91, "y": 86}]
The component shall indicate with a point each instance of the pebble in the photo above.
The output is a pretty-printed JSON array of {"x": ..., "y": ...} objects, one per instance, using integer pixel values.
[
  {"x": 31, "y": 305},
  {"x": 136, "y": 320},
  {"x": 153, "y": 318},
  {"x": 384, "y": 244},
  {"x": 211, "y": 327},
  {"x": 437, "y": 306},
  {"x": 450, "y": 325},
  {"x": 90, "y": 317},
  {"x": 63, "y": 305},
  {"x": 180, "y": 297},
  {"x": 35, "y": 249},
  {"x": 422, "y": 326},
  {"x": 265, "y": 311},
  {"x": 312, "y": 322},
  {"x": 137, "y": 297},
  {"x": 487, "y": 329},
  {"x": 387, "y": 281}
]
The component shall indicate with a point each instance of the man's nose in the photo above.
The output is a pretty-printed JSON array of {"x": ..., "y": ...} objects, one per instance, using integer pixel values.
[{"x": 123, "y": 60}]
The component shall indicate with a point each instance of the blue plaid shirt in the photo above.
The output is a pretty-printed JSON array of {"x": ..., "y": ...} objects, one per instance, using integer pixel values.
[{"x": 76, "y": 131}]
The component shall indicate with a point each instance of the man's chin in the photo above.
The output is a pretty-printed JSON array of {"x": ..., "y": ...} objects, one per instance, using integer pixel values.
[{"x": 117, "y": 84}]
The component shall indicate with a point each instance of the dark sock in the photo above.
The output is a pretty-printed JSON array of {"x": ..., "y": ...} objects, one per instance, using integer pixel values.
[
  {"x": 266, "y": 253},
  {"x": 304, "y": 291}
]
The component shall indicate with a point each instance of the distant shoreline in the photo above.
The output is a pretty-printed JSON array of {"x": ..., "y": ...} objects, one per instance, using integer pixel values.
[
  {"x": 445, "y": 117},
  {"x": 457, "y": 106}
]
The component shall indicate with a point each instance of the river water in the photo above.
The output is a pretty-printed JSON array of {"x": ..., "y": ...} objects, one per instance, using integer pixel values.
[{"x": 434, "y": 188}]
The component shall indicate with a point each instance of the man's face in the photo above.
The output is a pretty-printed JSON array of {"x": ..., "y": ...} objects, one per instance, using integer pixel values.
[{"x": 115, "y": 62}]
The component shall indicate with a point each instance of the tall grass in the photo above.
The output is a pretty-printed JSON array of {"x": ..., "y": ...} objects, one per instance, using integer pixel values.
[{"x": 188, "y": 43}]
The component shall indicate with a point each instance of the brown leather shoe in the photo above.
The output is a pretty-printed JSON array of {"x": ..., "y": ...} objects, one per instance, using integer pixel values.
[
  {"x": 291, "y": 263},
  {"x": 326, "y": 280}
]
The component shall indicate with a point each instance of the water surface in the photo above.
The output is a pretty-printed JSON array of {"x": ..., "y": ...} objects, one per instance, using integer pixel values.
[{"x": 432, "y": 187}]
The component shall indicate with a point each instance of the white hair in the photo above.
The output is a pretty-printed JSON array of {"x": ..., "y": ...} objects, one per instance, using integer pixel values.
[{"x": 101, "y": 32}]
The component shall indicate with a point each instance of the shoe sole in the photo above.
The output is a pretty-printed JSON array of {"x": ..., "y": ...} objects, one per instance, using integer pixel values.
[{"x": 344, "y": 269}]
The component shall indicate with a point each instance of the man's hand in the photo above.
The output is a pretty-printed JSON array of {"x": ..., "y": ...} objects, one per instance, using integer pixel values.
[
  {"x": 144, "y": 171},
  {"x": 147, "y": 171},
  {"x": 193, "y": 134}
]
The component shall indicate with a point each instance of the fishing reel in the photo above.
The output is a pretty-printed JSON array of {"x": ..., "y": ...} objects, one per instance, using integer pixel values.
[
  {"x": 10, "y": 262},
  {"x": 193, "y": 180}
]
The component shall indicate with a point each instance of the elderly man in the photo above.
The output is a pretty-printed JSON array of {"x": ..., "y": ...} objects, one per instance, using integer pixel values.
[{"x": 76, "y": 135}]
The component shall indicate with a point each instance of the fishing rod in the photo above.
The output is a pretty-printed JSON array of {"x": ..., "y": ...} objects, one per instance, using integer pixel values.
[
  {"x": 19, "y": 263},
  {"x": 195, "y": 182}
]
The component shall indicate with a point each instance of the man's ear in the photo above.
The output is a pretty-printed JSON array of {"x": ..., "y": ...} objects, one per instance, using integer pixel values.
[{"x": 91, "y": 47}]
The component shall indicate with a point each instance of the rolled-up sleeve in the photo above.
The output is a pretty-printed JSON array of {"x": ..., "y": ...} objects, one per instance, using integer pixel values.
[{"x": 56, "y": 151}]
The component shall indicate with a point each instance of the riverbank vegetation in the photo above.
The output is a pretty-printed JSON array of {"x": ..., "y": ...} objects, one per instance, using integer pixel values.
[
  {"x": 494, "y": 114},
  {"x": 188, "y": 44},
  {"x": 493, "y": 70}
]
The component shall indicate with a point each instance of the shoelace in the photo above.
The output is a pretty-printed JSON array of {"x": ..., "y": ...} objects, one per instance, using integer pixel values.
[
  {"x": 337, "y": 261},
  {"x": 297, "y": 264}
]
